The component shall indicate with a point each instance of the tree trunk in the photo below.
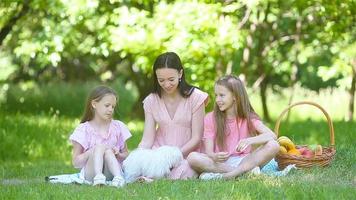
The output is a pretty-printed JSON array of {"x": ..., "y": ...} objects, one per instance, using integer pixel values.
[
  {"x": 263, "y": 92},
  {"x": 352, "y": 92},
  {"x": 8, "y": 26},
  {"x": 262, "y": 28}
]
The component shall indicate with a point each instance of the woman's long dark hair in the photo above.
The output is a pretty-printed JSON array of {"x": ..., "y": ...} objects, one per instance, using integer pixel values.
[
  {"x": 95, "y": 95},
  {"x": 171, "y": 60}
]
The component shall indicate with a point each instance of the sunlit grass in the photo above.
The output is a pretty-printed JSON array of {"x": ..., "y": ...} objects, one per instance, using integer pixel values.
[
  {"x": 22, "y": 173},
  {"x": 35, "y": 144},
  {"x": 299, "y": 185},
  {"x": 33, "y": 136}
]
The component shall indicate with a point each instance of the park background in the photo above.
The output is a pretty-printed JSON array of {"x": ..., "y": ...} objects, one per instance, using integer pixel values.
[{"x": 53, "y": 52}]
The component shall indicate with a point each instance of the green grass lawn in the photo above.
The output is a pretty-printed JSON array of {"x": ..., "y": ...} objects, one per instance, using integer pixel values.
[{"x": 35, "y": 145}]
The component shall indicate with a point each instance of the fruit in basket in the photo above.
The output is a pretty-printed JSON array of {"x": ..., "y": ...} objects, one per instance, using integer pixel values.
[
  {"x": 282, "y": 137},
  {"x": 302, "y": 149},
  {"x": 282, "y": 150},
  {"x": 286, "y": 142},
  {"x": 306, "y": 152},
  {"x": 317, "y": 149},
  {"x": 294, "y": 152}
]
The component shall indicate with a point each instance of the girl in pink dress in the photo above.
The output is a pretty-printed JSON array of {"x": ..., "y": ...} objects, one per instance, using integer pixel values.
[
  {"x": 99, "y": 141},
  {"x": 174, "y": 112},
  {"x": 230, "y": 132}
]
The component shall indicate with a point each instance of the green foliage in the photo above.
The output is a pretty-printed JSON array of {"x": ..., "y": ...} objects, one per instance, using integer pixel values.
[
  {"x": 271, "y": 43},
  {"x": 6, "y": 67},
  {"x": 342, "y": 65}
]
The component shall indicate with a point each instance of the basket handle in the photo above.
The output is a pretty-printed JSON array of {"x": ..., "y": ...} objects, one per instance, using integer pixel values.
[{"x": 331, "y": 128}]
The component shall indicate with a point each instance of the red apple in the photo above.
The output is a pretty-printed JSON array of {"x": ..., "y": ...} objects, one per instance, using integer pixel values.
[
  {"x": 302, "y": 150},
  {"x": 308, "y": 153}
]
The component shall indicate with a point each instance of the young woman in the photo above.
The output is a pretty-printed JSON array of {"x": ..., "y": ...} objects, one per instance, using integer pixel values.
[{"x": 174, "y": 112}]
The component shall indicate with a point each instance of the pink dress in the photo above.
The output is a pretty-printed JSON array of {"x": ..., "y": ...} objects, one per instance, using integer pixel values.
[
  {"x": 235, "y": 131},
  {"x": 88, "y": 138},
  {"x": 176, "y": 131}
]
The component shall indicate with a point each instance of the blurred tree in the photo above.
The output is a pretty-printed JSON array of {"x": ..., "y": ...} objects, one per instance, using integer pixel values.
[
  {"x": 17, "y": 10},
  {"x": 271, "y": 43},
  {"x": 204, "y": 38},
  {"x": 286, "y": 41},
  {"x": 344, "y": 66}
]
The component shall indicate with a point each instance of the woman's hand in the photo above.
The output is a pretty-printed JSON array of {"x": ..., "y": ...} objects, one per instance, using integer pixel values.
[
  {"x": 243, "y": 144},
  {"x": 220, "y": 156}
]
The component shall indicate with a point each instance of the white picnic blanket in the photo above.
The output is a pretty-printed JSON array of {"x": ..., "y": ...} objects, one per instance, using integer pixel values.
[
  {"x": 67, "y": 179},
  {"x": 270, "y": 169}
]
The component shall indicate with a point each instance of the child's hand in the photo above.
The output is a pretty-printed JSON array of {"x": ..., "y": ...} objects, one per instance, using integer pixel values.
[
  {"x": 243, "y": 144},
  {"x": 119, "y": 154},
  {"x": 221, "y": 156},
  {"x": 116, "y": 150}
]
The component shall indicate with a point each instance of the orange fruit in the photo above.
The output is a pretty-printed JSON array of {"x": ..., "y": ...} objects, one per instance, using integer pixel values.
[{"x": 294, "y": 152}]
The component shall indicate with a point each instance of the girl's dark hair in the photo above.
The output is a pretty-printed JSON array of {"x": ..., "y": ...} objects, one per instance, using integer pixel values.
[
  {"x": 171, "y": 60},
  {"x": 95, "y": 95}
]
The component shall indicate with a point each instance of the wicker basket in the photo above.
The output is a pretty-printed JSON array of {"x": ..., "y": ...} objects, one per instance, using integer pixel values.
[{"x": 300, "y": 161}]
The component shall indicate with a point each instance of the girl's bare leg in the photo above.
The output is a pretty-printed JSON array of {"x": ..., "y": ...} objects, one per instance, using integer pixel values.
[
  {"x": 112, "y": 166},
  {"x": 259, "y": 157},
  {"x": 95, "y": 163},
  {"x": 202, "y": 163}
]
